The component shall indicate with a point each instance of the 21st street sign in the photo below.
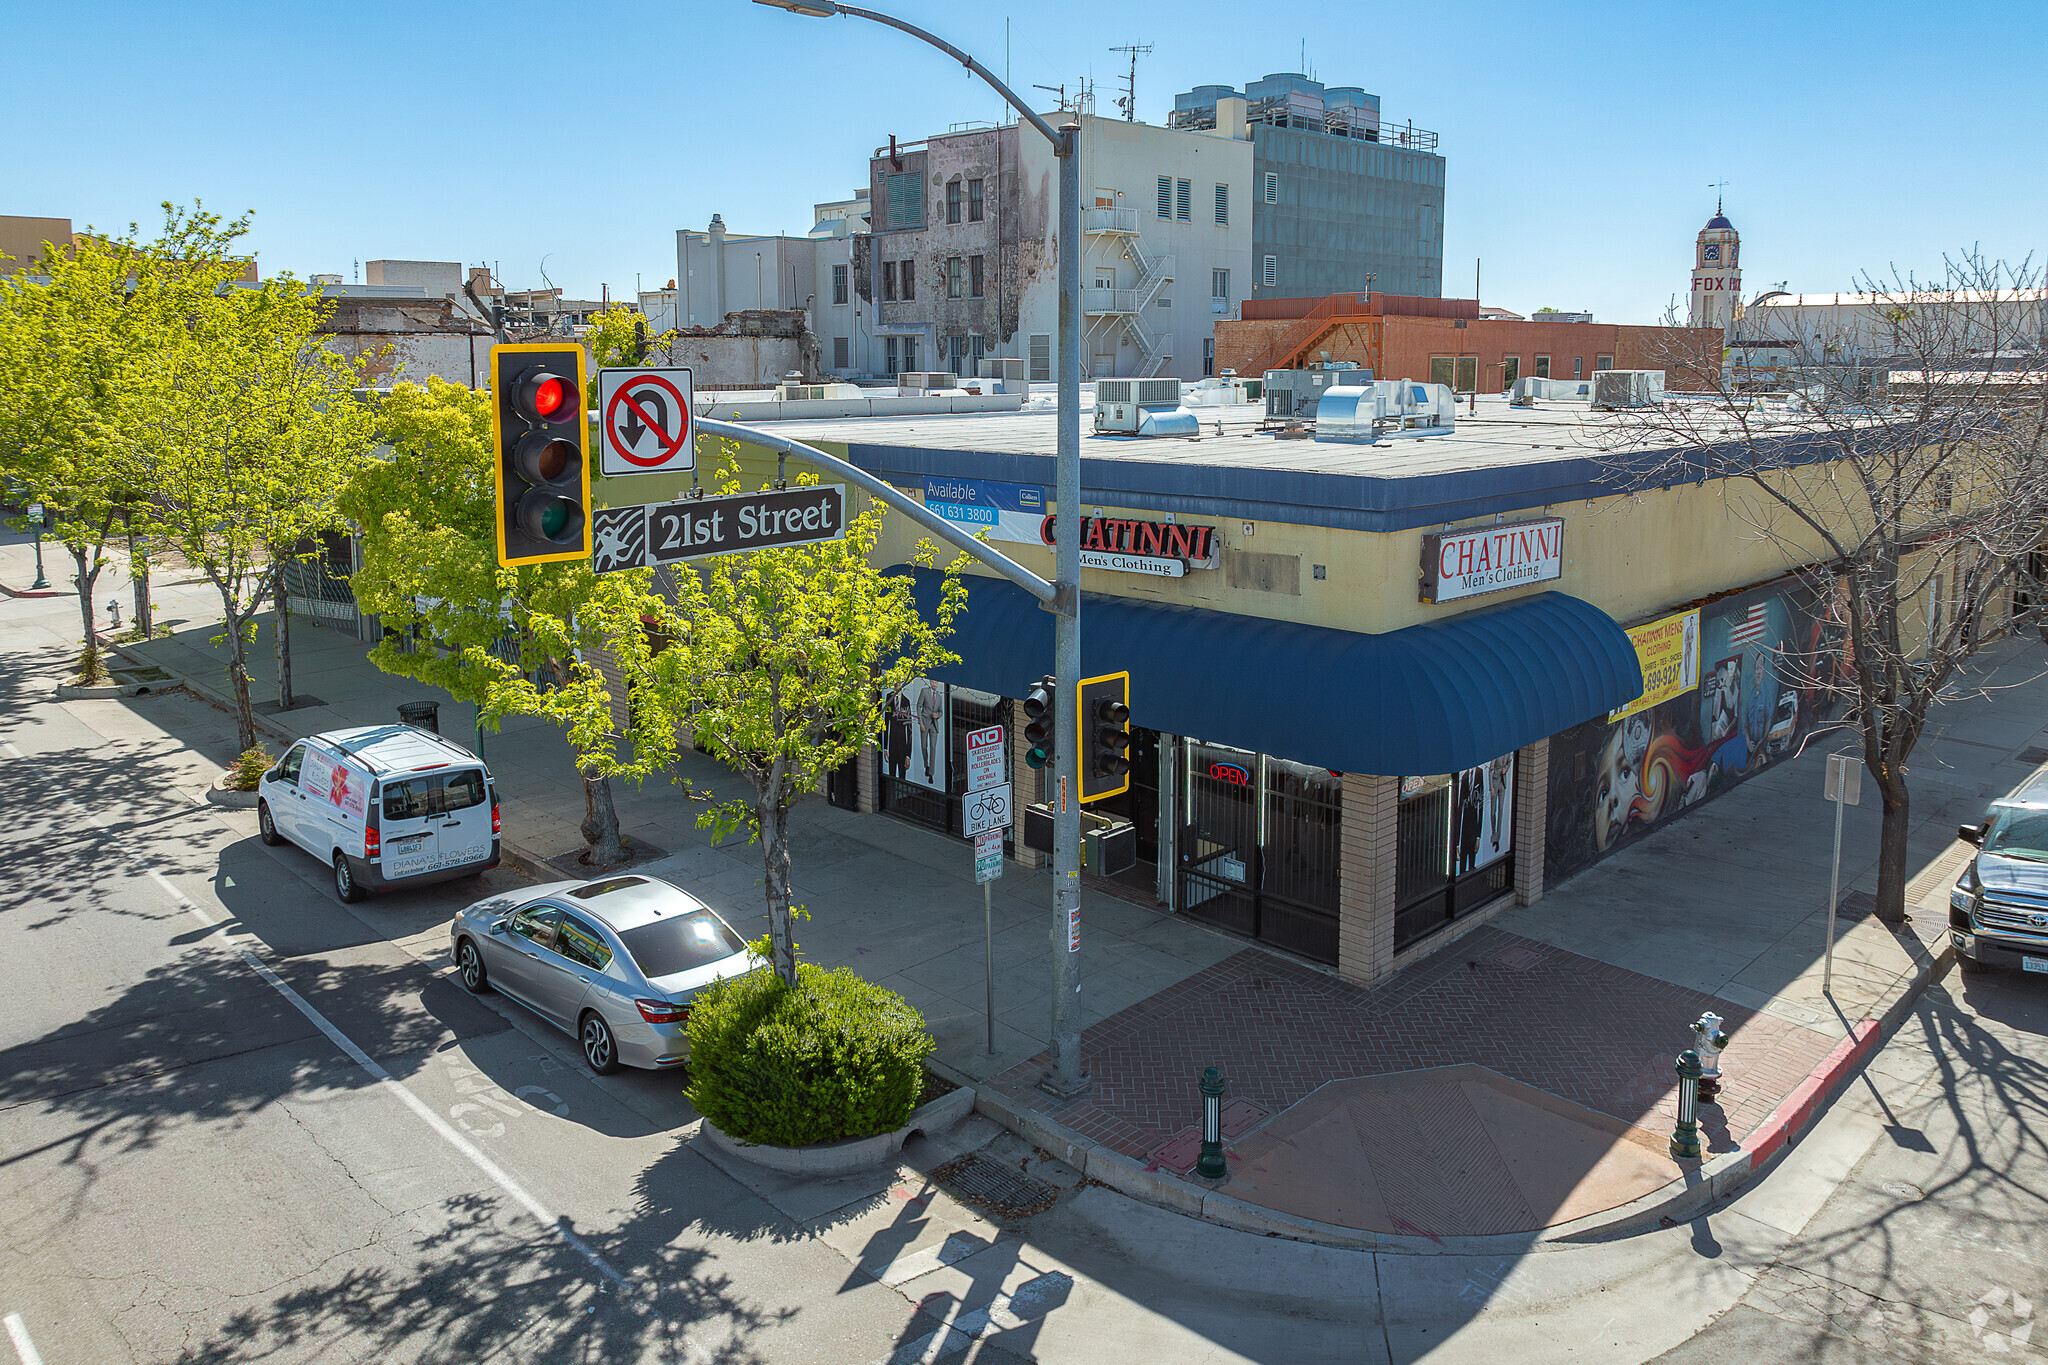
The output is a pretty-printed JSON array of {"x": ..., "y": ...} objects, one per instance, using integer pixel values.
[{"x": 654, "y": 533}]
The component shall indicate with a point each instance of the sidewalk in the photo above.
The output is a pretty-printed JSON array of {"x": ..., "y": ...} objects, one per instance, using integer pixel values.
[{"x": 1518, "y": 1079}]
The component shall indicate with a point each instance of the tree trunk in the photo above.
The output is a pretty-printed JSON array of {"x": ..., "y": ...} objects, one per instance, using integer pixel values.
[
  {"x": 774, "y": 824},
  {"x": 88, "y": 576},
  {"x": 138, "y": 573},
  {"x": 1891, "y": 856},
  {"x": 600, "y": 827},
  {"x": 238, "y": 679},
  {"x": 283, "y": 639}
]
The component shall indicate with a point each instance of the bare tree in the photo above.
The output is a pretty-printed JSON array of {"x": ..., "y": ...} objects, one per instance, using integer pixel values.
[{"x": 1891, "y": 444}]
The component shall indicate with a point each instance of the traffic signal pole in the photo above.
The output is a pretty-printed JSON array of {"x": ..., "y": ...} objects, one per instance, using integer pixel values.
[{"x": 1066, "y": 1077}]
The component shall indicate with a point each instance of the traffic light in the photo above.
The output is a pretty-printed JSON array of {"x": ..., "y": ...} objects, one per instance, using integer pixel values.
[
  {"x": 1040, "y": 706},
  {"x": 1105, "y": 736},
  {"x": 542, "y": 432}
]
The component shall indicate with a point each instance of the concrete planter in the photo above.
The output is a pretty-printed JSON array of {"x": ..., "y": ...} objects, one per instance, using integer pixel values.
[
  {"x": 74, "y": 692},
  {"x": 218, "y": 795},
  {"x": 855, "y": 1154}
]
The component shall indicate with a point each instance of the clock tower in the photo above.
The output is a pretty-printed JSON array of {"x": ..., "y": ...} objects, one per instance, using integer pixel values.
[{"x": 1716, "y": 275}]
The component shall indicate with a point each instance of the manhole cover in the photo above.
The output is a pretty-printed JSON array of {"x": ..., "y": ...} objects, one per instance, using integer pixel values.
[
  {"x": 1899, "y": 1189},
  {"x": 995, "y": 1187}
]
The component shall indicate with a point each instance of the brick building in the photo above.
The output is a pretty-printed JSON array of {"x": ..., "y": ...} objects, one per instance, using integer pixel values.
[{"x": 1447, "y": 341}]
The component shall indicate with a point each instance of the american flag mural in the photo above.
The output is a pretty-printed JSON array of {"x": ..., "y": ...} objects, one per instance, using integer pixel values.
[{"x": 1750, "y": 628}]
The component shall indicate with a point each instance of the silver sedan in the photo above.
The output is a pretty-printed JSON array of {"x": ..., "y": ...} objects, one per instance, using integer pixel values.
[{"x": 613, "y": 962}]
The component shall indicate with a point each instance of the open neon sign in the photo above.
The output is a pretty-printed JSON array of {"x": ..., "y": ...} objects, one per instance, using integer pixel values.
[{"x": 1231, "y": 773}]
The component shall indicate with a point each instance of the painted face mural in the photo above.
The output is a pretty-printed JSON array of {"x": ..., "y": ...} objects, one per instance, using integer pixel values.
[{"x": 1770, "y": 672}]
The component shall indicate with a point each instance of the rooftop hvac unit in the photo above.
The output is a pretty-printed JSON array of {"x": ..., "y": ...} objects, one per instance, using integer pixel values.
[
  {"x": 1614, "y": 389},
  {"x": 913, "y": 382},
  {"x": 1529, "y": 388},
  {"x": 1291, "y": 395},
  {"x": 1384, "y": 410},
  {"x": 1009, "y": 371},
  {"x": 1142, "y": 407}
]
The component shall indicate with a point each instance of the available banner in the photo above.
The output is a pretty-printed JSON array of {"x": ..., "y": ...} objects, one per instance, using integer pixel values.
[
  {"x": 1007, "y": 511},
  {"x": 1669, "y": 653}
]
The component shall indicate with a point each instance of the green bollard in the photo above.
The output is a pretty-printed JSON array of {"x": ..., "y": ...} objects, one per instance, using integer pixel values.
[
  {"x": 1211, "y": 1166},
  {"x": 1685, "y": 1138}
]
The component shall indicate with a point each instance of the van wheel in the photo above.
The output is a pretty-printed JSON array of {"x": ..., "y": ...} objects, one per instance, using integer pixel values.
[
  {"x": 469, "y": 964},
  {"x": 600, "y": 1049},
  {"x": 345, "y": 880},
  {"x": 266, "y": 828}
]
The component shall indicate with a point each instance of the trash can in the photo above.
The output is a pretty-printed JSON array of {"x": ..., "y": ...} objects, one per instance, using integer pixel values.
[{"x": 424, "y": 714}]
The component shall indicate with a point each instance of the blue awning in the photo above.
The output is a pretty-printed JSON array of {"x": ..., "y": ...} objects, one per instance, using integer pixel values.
[{"x": 1434, "y": 698}]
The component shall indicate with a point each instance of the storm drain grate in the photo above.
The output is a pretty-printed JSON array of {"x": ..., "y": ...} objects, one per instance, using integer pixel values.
[{"x": 995, "y": 1187}]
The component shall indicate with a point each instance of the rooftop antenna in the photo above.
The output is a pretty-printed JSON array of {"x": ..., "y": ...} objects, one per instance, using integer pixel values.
[
  {"x": 1129, "y": 103},
  {"x": 359, "y": 272},
  {"x": 1717, "y": 187},
  {"x": 1059, "y": 90}
]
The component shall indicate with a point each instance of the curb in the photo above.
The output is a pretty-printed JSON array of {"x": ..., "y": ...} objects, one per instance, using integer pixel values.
[
  {"x": 1678, "y": 1201},
  {"x": 35, "y": 592},
  {"x": 102, "y": 691}
]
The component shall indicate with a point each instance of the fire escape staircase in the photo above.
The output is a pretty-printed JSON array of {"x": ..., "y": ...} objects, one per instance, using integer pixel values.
[{"x": 1293, "y": 345}]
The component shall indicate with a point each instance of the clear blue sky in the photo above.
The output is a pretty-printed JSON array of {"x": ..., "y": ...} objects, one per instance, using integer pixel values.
[{"x": 1581, "y": 139}]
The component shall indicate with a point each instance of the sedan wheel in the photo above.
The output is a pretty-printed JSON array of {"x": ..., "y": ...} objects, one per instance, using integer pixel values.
[
  {"x": 470, "y": 964},
  {"x": 266, "y": 828},
  {"x": 598, "y": 1047},
  {"x": 345, "y": 880}
]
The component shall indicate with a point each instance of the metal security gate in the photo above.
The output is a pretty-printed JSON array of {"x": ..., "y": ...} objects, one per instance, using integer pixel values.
[{"x": 1259, "y": 847}]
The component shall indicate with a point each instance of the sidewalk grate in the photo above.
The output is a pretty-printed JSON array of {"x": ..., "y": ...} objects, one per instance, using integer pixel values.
[{"x": 995, "y": 1187}]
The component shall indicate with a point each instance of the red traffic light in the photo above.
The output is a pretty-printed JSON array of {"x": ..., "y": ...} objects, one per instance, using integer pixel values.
[{"x": 547, "y": 397}]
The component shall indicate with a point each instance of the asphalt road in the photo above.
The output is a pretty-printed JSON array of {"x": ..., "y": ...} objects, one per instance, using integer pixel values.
[
  {"x": 240, "y": 1121},
  {"x": 1935, "y": 1246}
]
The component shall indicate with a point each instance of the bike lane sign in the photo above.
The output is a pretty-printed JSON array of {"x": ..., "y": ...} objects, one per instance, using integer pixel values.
[{"x": 984, "y": 811}]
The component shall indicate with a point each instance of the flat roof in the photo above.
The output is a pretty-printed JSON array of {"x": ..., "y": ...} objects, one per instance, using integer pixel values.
[{"x": 1505, "y": 459}]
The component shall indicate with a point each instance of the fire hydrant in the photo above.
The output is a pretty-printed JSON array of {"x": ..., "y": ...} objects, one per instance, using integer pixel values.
[{"x": 1708, "y": 1040}]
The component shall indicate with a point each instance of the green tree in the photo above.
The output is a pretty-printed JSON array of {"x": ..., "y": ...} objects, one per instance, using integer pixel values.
[
  {"x": 254, "y": 432},
  {"x": 462, "y": 622},
  {"x": 793, "y": 654},
  {"x": 75, "y": 328}
]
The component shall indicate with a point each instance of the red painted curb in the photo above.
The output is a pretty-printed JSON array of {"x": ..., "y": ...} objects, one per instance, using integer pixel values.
[
  {"x": 1797, "y": 1109},
  {"x": 35, "y": 592}
]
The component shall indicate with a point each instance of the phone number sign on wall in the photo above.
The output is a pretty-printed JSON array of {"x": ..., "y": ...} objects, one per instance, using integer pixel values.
[{"x": 1668, "y": 652}]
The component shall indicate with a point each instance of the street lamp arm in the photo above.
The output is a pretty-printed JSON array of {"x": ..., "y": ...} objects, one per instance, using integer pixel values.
[
  {"x": 958, "y": 537},
  {"x": 1059, "y": 140}
]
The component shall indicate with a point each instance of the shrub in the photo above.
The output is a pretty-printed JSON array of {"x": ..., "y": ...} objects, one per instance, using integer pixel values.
[
  {"x": 249, "y": 769},
  {"x": 92, "y": 669},
  {"x": 833, "y": 1057}
]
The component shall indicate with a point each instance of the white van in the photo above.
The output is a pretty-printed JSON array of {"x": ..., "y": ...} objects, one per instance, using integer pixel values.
[{"x": 385, "y": 805}]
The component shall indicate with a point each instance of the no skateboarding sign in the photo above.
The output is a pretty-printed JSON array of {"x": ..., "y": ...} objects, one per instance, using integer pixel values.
[{"x": 648, "y": 425}]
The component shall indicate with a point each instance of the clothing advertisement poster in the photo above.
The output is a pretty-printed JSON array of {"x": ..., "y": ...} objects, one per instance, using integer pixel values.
[
  {"x": 918, "y": 735},
  {"x": 1482, "y": 815}
]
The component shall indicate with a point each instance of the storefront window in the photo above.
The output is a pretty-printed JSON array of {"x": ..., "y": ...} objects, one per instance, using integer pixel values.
[
  {"x": 1454, "y": 846},
  {"x": 1259, "y": 847},
  {"x": 924, "y": 750}
]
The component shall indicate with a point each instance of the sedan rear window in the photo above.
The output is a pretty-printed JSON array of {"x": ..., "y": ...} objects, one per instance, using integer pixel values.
[{"x": 677, "y": 944}]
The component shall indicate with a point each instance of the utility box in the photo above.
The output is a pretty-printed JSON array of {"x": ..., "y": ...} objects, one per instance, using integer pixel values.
[{"x": 1109, "y": 843}]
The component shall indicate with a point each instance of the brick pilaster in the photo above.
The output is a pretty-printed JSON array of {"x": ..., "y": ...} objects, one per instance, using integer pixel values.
[
  {"x": 867, "y": 774},
  {"x": 1365, "y": 896},
  {"x": 1532, "y": 819}
]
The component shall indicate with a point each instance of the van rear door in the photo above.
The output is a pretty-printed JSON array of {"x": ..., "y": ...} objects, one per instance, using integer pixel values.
[
  {"x": 463, "y": 804},
  {"x": 410, "y": 837}
]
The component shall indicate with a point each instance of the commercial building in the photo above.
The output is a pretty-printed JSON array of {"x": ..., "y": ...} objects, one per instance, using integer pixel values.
[
  {"x": 1716, "y": 298},
  {"x": 720, "y": 272},
  {"x": 1853, "y": 326},
  {"x": 1451, "y": 341},
  {"x": 1335, "y": 754},
  {"x": 962, "y": 260},
  {"x": 1342, "y": 200}
]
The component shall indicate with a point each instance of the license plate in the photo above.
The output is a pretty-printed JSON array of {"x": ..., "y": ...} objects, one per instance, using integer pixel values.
[{"x": 2034, "y": 964}]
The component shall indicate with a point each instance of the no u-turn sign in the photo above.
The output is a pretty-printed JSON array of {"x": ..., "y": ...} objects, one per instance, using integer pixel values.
[{"x": 646, "y": 421}]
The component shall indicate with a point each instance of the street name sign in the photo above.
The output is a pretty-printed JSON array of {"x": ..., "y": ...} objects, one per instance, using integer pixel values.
[
  {"x": 653, "y": 533},
  {"x": 646, "y": 421}
]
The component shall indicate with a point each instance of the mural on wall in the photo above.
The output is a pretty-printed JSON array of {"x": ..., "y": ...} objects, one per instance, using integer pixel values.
[{"x": 1733, "y": 694}]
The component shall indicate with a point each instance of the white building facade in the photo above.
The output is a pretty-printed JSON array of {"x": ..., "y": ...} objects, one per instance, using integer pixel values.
[
  {"x": 1716, "y": 276},
  {"x": 720, "y": 272}
]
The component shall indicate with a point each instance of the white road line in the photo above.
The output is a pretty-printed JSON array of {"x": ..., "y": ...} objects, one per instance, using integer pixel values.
[
  {"x": 1002, "y": 1315},
  {"x": 491, "y": 1170},
  {"x": 17, "y": 1332}
]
